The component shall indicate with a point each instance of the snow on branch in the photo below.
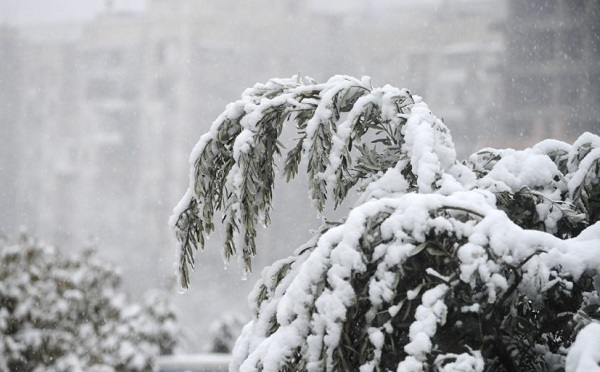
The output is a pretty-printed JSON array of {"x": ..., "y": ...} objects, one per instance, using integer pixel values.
[
  {"x": 233, "y": 165},
  {"x": 490, "y": 263},
  {"x": 457, "y": 250}
]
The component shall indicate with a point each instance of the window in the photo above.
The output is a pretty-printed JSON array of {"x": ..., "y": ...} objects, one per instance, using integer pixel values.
[
  {"x": 595, "y": 39},
  {"x": 575, "y": 7},
  {"x": 541, "y": 45},
  {"x": 595, "y": 90},
  {"x": 570, "y": 88},
  {"x": 100, "y": 88},
  {"x": 531, "y": 90},
  {"x": 115, "y": 58},
  {"x": 572, "y": 44},
  {"x": 527, "y": 8},
  {"x": 163, "y": 88},
  {"x": 532, "y": 47},
  {"x": 161, "y": 52}
]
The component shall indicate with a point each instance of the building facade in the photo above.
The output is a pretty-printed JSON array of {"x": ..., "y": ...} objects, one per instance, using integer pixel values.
[{"x": 552, "y": 71}]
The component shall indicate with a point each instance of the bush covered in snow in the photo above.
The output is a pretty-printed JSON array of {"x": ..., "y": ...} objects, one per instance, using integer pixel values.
[
  {"x": 491, "y": 263},
  {"x": 224, "y": 330},
  {"x": 61, "y": 313}
]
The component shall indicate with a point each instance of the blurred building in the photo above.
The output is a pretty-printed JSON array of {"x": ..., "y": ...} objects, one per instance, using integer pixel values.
[
  {"x": 459, "y": 73},
  {"x": 449, "y": 52},
  {"x": 552, "y": 71},
  {"x": 111, "y": 74},
  {"x": 46, "y": 137},
  {"x": 10, "y": 102},
  {"x": 109, "y": 111}
]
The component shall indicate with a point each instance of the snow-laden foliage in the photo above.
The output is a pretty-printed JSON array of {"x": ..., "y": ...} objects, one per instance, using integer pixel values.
[
  {"x": 487, "y": 264},
  {"x": 233, "y": 165},
  {"x": 61, "y": 313}
]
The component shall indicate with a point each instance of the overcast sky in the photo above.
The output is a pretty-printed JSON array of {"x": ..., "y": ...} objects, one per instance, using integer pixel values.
[{"x": 24, "y": 12}]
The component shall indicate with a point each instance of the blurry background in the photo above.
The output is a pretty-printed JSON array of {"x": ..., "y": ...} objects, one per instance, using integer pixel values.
[{"x": 102, "y": 101}]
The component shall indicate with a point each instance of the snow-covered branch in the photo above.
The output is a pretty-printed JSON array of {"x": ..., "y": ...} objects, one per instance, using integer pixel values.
[{"x": 488, "y": 263}]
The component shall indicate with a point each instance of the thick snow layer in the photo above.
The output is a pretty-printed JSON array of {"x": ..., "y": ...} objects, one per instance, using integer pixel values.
[
  {"x": 429, "y": 146},
  {"x": 518, "y": 169},
  {"x": 584, "y": 167},
  {"x": 584, "y": 355},
  {"x": 431, "y": 312},
  {"x": 336, "y": 259},
  {"x": 461, "y": 363}
]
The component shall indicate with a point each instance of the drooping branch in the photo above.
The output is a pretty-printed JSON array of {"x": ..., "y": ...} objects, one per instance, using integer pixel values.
[
  {"x": 233, "y": 165},
  {"x": 486, "y": 264}
]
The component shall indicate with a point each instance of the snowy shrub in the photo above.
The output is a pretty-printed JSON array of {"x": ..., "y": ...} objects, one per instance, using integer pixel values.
[
  {"x": 490, "y": 263},
  {"x": 62, "y": 313},
  {"x": 224, "y": 331}
]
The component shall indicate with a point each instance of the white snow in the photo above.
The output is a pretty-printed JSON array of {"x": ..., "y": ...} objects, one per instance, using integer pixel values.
[
  {"x": 461, "y": 363},
  {"x": 305, "y": 312},
  {"x": 584, "y": 166},
  {"x": 70, "y": 314},
  {"x": 518, "y": 169},
  {"x": 584, "y": 355}
]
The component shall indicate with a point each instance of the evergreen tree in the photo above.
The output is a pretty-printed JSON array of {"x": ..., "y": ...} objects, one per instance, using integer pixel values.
[
  {"x": 490, "y": 263},
  {"x": 61, "y": 313}
]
